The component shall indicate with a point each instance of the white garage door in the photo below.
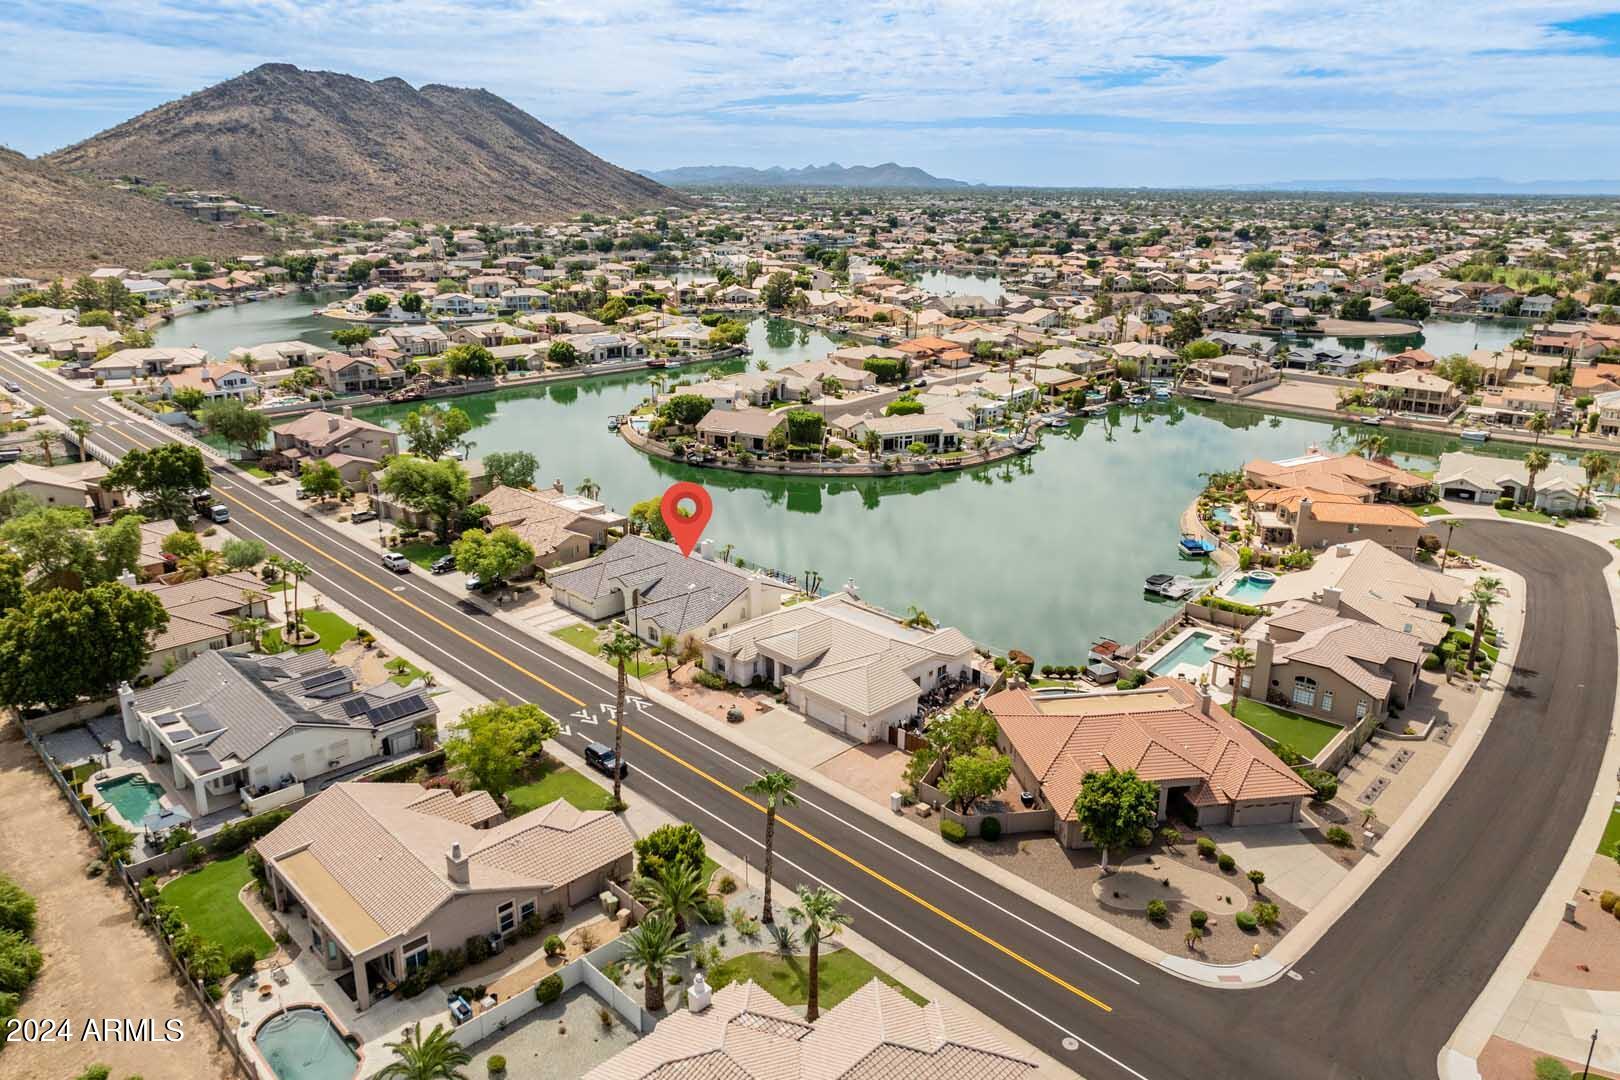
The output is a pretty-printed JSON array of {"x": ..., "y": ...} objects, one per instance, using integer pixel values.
[{"x": 1264, "y": 813}]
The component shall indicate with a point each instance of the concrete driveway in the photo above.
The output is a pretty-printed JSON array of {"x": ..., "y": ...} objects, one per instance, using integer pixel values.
[
  {"x": 805, "y": 741},
  {"x": 1295, "y": 868}
]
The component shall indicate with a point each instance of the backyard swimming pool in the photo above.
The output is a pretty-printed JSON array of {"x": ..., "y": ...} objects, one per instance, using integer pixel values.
[
  {"x": 1248, "y": 590},
  {"x": 1195, "y": 651},
  {"x": 134, "y": 797},
  {"x": 1223, "y": 515},
  {"x": 304, "y": 1044}
]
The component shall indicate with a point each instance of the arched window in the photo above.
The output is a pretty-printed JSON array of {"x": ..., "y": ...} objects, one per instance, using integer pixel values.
[{"x": 1305, "y": 691}]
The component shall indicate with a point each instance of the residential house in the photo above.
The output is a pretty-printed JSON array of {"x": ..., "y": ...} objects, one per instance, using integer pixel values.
[
  {"x": 1345, "y": 474},
  {"x": 216, "y": 382},
  {"x": 202, "y": 616},
  {"x": 1232, "y": 372},
  {"x": 1319, "y": 661},
  {"x": 1206, "y": 766},
  {"x": 1418, "y": 392},
  {"x": 345, "y": 374},
  {"x": 742, "y": 429},
  {"x": 1560, "y": 488},
  {"x": 874, "y": 1034},
  {"x": 78, "y": 485},
  {"x": 561, "y": 528},
  {"x": 233, "y": 725},
  {"x": 842, "y": 663},
  {"x": 604, "y": 347},
  {"x": 388, "y": 874},
  {"x": 352, "y": 446},
  {"x": 1514, "y": 404}
]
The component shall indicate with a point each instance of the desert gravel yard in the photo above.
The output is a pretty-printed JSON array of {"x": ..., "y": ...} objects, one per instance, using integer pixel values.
[{"x": 98, "y": 962}]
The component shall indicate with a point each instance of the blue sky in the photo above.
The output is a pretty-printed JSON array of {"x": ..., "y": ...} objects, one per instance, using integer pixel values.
[{"x": 1135, "y": 92}]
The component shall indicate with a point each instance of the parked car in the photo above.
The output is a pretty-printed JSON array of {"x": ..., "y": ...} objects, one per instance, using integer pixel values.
[
  {"x": 219, "y": 513},
  {"x": 443, "y": 564},
  {"x": 396, "y": 562},
  {"x": 12, "y": 385},
  {"x": 603, "y": 760},
  {"x": 361, "y": 516}
]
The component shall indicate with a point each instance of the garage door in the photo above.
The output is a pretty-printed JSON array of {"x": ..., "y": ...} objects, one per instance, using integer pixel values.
[
  {"x": 1277, "y": 813},
  {"x": 1463, "y": 494}
]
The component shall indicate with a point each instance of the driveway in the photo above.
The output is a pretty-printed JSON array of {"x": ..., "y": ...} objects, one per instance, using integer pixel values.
[
  {"x": 804, "y": 741},
  {"x": 1296, "y": 869}
]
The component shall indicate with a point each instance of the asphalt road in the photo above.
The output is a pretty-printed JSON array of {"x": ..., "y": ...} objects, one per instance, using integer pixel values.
[{"x": 1379, "y": 995}]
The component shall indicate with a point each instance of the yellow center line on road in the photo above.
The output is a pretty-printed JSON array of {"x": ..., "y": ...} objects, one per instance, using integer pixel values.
[{"x": 696, "y": 771}]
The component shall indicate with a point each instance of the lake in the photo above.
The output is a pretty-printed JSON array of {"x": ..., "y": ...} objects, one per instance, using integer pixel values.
[
  {"x": 1043, "y": 553},
  {"x": 280, "y": 318},
  {"x": 1439, "y": 336},
  {"x": 942, "y": 284}
]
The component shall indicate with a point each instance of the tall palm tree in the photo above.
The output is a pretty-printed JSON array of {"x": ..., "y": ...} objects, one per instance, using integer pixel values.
[
  {"x": 654, "y": 947},
  {"x": 1597, "y": 467},
  {"x": 1241, "y": 658},
  {"x": 81, "y": 429},
  {"x": 279, "y": 564},
  {"x": 251, "y": 625},
  {"x": 435, "y": 1056},
  {"x": 667, "y": 644},
  {"x": 1538, "y": 424},
  {"x": 1484, "y": 597},
  {"x": 45, "y": 437},
  {"x": 1535, "y": 463},
  {"x": 620, "y": 650},
  {"x": 588, "y": 488},
  {"x": 776, "y": 789},
  {"x": 297, "y": 571},
  {"x": 818, "y": 910},
  {"x": 677, "y": 890},
  {"x": 205, "y": 563}
]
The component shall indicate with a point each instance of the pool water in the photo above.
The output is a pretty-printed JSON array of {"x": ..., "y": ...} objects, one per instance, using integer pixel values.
[
  {"x": 1223, "y": 515},
  {"x": 1194, "y": 650},
  {"x": 302, "y": 1044},
  {"x": 1248, "y": 590},
  {"x": 134, "y": 797}
]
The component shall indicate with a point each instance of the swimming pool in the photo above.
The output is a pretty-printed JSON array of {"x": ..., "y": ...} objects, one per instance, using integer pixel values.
[
  {"x": 1223, "y": 515},
  {"x": 1248, "y": 590},
  {"x": 304, "y": 1044},
  {"x": 134, "y": 797},
  {"x": 1195, "y": 651}
]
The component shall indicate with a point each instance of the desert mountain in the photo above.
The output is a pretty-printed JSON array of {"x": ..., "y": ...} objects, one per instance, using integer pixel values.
[
  {"x": 52, "y": 223},
  {"x": 887, "y": 175},
  {"x": 318, "y": 142}
]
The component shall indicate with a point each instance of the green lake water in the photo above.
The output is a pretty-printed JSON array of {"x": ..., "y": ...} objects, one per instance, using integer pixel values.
[{"x": 280, "y": 318}]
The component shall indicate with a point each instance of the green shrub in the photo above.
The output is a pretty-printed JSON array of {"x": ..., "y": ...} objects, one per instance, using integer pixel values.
[
  {"x": 94, "y": 1072},
  {"x": 548, "y": 989},
  {"x": 1325, "y": 783},
  {"x": 1206, "y": 847},
  {"x": 1431, "y": 662},
  {"x": 237, "y": 835},
  {"x": 1226, "y": 862},
  {"x": 990, "y": 829},
  {"x": 1245, "y": 922},
  {"x": 1608, "y": 900},
  {"x": 704, "y": 677},
  {"x": 1221, "y": 603},
  {"x": 16, "y": 908},
  {"x": 1504, "y": 503},
  {"x": 1266, "y": 913},
  {"x": 477, "y": 949},
  {"x": 666, "y": 845},
  {"x": 712, "y": 910},
  {"x": 497, "y": 1064},
  {"x": 1338, "y": 836},
  {"x": 1143, "y": 837},
  {"x": 20, "y": 962},
  {"x": 1550, "y": 1068},
  {"x": 242, "y": 960},
  {"x": 1199, "y": 918},
  {"x": 952, "y": 831},
  {"x": 728, "y": 885},
  {"x": 554, "y": 945},
  {"x": 1157, "y": 910}
]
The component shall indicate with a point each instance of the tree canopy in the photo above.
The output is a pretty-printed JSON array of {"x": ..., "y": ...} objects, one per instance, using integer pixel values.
[
  {"x": 433, "y": 430},
  {"x": 469, "y": 361},
  {"x": 490, "y": 745},
  {"x": 513, "y": 468},
  {"x": 437, "y": 488},
  {"x": 974, "y": 776},
  {"x": 321, "y": 479},
  {"x": 684, "y": 409},
  {"x": 494, "y": 556},
  {"x": 647, "y": 517},
  {"x": 165, "y": 477},
  {"x": 230, "y": 419},
  {"x": 1114, "y": 806},
  {"x": 58, "y": 645}
]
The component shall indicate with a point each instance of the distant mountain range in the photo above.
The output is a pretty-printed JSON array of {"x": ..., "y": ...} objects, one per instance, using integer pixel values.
[
  {"x": 1476, "y": 185},
  {"x": 887, "y": 175},
  {"x": 319, "y": 142}
]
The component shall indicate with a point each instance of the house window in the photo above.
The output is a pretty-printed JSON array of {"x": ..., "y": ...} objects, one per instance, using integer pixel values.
[
  {"x": 416, "y": 954},
  {"x": 526, "y": 910},
  {"x": 1361, "y": 708},
  {"x": 1327, "y": 701},
  {"x": 506, "y": 916},
  {"x": 1248, "y": 680},
  {"x": 1305, "y": 691}
]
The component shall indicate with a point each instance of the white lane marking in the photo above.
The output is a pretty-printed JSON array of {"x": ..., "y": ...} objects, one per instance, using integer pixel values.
[
  {"x": 498, "y": 629},
  {"x": 1065, "y": 1032}
]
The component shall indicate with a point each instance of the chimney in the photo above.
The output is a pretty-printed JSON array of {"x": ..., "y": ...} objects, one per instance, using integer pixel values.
[
  {"x": 126, "y": 578},
  {"x": 557, "y": 485},
  {"x": 348, "y": 412},
  {"x": 1304, "y": 511},
  {"x": 697, "y": 995},
  {"x": 706, "y": 549},
  {"x": 331, "y": 422},
  {"x": 1203, "y": 698},
  {"x": 455, "y": 865},
  {"x": 1343, "y": 551},
  {"x": 1331, "y": 598}
]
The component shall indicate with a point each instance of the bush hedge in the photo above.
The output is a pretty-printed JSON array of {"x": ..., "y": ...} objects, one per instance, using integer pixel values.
[
  {"x": 1199, "y": 918},
  {"x": 433, "y": 762},
  {"x": 990, "y": 829},
  {"x": 1608, "y": 900},
  {"x": 237, "y": 835},
  {"x": 1226, "y": 862},
  {"x": 952, "y": 831},
  {"x": 1245, "y": 921},
  {"x": 548, "y": 989},
  {"x": 1338, "y": 835},
  {"x": 1325, "y": 783},
  {"x": 1206, "y": 847}
]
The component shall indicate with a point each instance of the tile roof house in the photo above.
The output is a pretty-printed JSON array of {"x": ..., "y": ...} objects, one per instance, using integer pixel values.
[
  {"x": 353, "y": 446},
  {"x": 657, "y": 590},
  {"x": 561, "y": 528},
  {"x": 73, "y": 485},
  {"x": 1344, "y": 474},
  {"x": 1321, "y": 661},
  {"x": 215, "y": 381},
  {"x": 1168, "y": 731},
  {"x": 874, "y": 1034},
  {"x": 1560, "y": 487},
  {"x": 233, "y": 724},
  {"x": 842, "y": 663},
  {"x": 201, "y": 614},
  {"x": 389, "y": 873}
]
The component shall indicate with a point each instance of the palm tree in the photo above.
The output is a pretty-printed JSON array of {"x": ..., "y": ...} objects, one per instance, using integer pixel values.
[
  {"x": 654, "y": 947},
  {"x": 588, "y": 488},
  {"x": 44, "y": 438},
  {"x": 818, "y": 910},
  {"x": 1483, "y": 595},
  {"x": 1241, "y": 658},
  {"x": 297, "y": 571},
  {"x": 251, "y": 625},
  {"x": 619, "y": 650},
  {"x": 667, "y": 644},
  {"x": 1538, "y": 424},
  {"x": 1597, "y": 467},
  {"x": 279, "y": 565},
  {"x": 435, "y": 1057},
  {"x": 206, "y": 563},
  {"x": 81, "y": 429},
  {"x": 677, "y": 890},
  {"x": 1535, "y": 463},
  {"x": 871, "y": 442},
  {"x": 776, "y": 789},
  {"x": 917, "y": 617},
  {"x": 1371, "y": 445}
]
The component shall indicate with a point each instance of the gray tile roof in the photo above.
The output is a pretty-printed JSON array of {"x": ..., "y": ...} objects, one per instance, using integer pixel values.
[{"x": 678, "y": 593}]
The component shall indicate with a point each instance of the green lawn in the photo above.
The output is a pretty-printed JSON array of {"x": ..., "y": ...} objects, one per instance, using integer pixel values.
[
  {"x": 1611, "y": 833},
  {"x": 253, "y": 470},
  {"x": 1433, "y": 509},
  {"x": 207, "y": 901},
  {"x": 841, "y": 973},
  {"x": 423, "y": 554},
  {"x": 335, "y": 630},
  {"x": 1301, "y": 733},
  {"x": 553, "y": 781},
  {"x": 1522, "y": 514},
  {"x": 583, "y": 638},
  {"x": 404, "y": 672}
]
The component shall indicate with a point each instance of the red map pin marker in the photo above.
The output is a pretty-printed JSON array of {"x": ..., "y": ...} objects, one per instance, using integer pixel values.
[{"x": 686, "y": 529}]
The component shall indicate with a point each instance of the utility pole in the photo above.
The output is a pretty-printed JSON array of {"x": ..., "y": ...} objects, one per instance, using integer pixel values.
[{"x": 1587, "y": 1067}]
